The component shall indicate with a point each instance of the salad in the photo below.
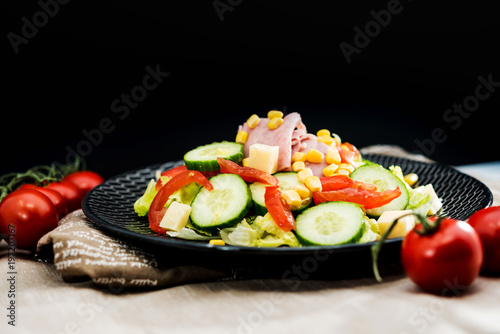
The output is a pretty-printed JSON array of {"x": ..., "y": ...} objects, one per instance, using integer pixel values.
[{"x": 278, "y": 185}]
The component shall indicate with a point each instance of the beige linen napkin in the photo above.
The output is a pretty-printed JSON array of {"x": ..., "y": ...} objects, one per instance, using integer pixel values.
[{"x": 81, "y": 251}]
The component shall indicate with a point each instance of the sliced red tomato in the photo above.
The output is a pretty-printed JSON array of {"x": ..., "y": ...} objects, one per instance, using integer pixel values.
[
  {"x": 337, "y": 182},
  {"x": 369, "y": 199},
  {"x": 157, "y": 209},
  {"x": 247, "y": 173},
  {"x": 169, "y": 173},
  {"x": 278, "y": 209},
  {"x": 350, "y": 155}
]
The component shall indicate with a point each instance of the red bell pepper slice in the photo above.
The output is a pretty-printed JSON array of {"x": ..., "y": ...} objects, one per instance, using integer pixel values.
[
  {"x": 170, "y": 173},
  {"x": 248, "y": 174},
  {"x": 157, "y": 209},
  {"x": 369, "y": 199},
  {"x": 278, "y": 209}
]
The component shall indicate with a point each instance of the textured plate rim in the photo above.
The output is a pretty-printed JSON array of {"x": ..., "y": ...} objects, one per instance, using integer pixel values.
[{"x": 205, "y": 247}]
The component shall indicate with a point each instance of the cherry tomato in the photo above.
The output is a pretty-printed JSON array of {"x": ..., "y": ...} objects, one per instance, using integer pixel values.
[
  {"x": 29, "y": 214},
  {"x": 278, "y": 209},
  {"x": 56, "y": 198},
  {"x": 70, "y": 192},
  {"x": 157, "y": 209},
  {"x": 368, "y": 198},
  {"x": 84, "y": 180},
  {"x": 444, "y": 260},
  {"x": 248, "y": 174},
  {"x": 486, "y": 222}
]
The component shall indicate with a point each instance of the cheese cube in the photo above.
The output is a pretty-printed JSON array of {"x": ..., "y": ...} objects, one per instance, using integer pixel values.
[
  {"x": 264, "y": 158},
  {"x": 176, "y": 217},
  {"x": 403, "y": 225},
  {"x": 436, "y": 201}
]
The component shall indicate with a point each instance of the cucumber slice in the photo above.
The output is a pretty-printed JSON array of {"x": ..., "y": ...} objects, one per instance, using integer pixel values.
[
  {"x": 204, "y": 158},
  {"x": 330, "y": 223},
  {"x": 384, "y": 180},
  {"x": 224, "y": 206},
  {"x": 287, "y": 181}
]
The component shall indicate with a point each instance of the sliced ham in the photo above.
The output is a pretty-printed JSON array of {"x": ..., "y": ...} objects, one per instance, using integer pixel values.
[
  {"x": 291, "y": 137},
  {"x": 291, "y": 132},
  {"x": 311, "y": 141}
]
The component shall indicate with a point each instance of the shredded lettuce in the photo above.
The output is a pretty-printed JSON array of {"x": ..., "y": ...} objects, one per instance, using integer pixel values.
[
  {"x": 242, "y": 234},
  {"x": 419, "y": 202},
  {"x": 371, "y": 232},
  {"x": 190, "y": 234},
  {"x": 262, "y": 232}
]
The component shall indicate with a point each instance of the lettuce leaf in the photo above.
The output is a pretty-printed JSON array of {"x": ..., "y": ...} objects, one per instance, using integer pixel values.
[
  {"x": 185, "y": 195},
  {"x": 190, "y": 234},
  {"x": 262, "y": 232},
  {"x": 141, "y": 206},
  {"x": 419, "y": 202}
]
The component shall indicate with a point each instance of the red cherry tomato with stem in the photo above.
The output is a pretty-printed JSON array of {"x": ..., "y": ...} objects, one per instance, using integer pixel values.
[
  {"x": 56, "y": 198},
  {"x": 27, "y": 214},
  {"x": 486, "y": 222},
  {"x": 84, "y": 180},
  {"x": 70, "y": 192},
  {"x": 441, "y": 256}
]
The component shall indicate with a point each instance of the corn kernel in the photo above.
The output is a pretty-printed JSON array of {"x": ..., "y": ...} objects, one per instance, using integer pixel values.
[
  {"x": 302, "y": 190},
  {"x": 274, "y": 114},
  {"x": 313, "y": 183},
  {"x": 242, "y": 137},
  {"x": 217, "y": 242},
  {"x": 346, "y": 166},
  {"x": 326, "y": 140},
  {"x": 244, "y": 162},
  {"x": 299, "y": 156},
  {"x": 303, "y": 174},
  {"x": 323, "y": 132},
  {"x": 342, "y": 171},
  {"x": 275, "y": 123},
  {"x": 330, "y": 169},
  {"x": 333, "y": 156},
  {"x": 253, "y": 121},
  {"x": 297, "y": 166},
  {"x": 344, "y": 147},
  {"x": 411, "y": 179},
  {"x": 292, "y": 198},
  {"x": 314, "y": 156}
]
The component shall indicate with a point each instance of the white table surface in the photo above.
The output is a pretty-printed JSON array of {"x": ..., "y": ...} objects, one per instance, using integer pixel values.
[{"x": 46, "y": 304}]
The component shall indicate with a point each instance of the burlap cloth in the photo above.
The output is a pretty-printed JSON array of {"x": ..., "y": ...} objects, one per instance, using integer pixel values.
[{"x": 81, "y": 251}]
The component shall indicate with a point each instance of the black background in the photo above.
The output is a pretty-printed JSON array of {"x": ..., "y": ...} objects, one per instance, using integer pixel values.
[{"x": 262, "y": 55}]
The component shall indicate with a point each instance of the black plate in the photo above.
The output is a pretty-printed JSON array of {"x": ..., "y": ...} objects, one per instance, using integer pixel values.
[{"x": 110, "y": 206}]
